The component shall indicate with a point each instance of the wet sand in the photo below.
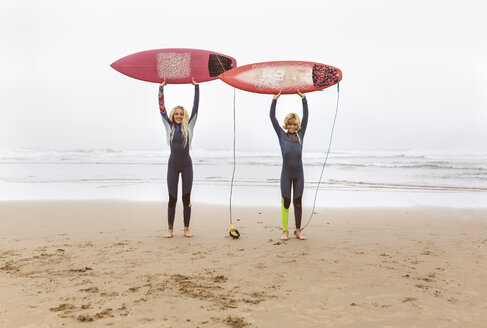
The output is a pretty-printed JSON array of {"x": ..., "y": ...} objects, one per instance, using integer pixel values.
[{"x": 106, "y": 263}]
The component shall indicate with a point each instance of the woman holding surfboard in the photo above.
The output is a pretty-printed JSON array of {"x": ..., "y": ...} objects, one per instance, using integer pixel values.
[
  {"x": 179, "y": 130},
  {"x": 292, "y": 175}
]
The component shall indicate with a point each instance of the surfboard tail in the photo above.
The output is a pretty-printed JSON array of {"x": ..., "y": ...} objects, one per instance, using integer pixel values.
[
  {"x": 218, "y": 64},
  {"x": 325, "y": 76}
]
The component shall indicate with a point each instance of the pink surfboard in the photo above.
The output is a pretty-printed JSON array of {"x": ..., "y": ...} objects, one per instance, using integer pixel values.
[
  {"x": 284, "y": 76},
  {"x": 176, "y": 65}
]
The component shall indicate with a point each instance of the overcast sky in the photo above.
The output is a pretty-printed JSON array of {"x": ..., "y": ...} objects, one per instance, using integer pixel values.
[{"x": 414, "y": 72}]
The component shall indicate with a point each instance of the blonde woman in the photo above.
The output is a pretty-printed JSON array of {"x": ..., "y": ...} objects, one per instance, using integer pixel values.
[
  {"x": 292, "y": 175},
  {"x": 179, "y": 129}
]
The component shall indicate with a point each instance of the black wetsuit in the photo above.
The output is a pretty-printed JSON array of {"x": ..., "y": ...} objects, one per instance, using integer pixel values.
[
  {"x": 179, "y": 161},
  {"x": 292, "y": 175}
]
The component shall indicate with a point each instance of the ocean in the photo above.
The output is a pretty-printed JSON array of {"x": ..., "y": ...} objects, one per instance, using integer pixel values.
[{"x": 456, "y": 178}]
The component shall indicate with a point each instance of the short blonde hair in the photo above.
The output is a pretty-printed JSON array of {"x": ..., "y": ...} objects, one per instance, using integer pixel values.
[{"x": 292, "y": 118}]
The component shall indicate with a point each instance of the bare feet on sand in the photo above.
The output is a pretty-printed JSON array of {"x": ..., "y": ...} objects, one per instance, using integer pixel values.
[
  {"x": 169, "y": 233},
  {"x": 299, "y": 235},
  {"x": 285, "y": 235},
  {"x": 186, "y": 232}
]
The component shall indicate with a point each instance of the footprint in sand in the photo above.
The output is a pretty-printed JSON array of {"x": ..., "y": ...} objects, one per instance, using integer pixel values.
[
  {"x": 63, "y": 307},
  {"x": 99, "y": 315},
  {"x": 234, "y": 321},
  {"x": 81, "y": 270},
  {"x": 90, "y": 290},
  {"x": 261, "y": 266},
  {"x": 409, "y": 299}
]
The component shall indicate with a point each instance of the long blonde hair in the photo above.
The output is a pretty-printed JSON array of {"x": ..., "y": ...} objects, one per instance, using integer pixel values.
[
  {"x": 184, "y": 124},
  {"x": 292, "y": 118}
]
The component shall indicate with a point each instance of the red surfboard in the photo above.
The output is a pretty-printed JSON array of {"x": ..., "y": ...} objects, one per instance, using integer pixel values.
[
  {"x": 176, "y": 65},
  {"x": 284, "y": 76}
]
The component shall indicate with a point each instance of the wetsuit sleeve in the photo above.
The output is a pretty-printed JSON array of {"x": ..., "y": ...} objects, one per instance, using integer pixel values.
[
  {"x": 196, "y": 102},
  {"x": 194, "y": 112},
  {"x": 272, "y": 115},
  {"x": 165, "y": 118},
  {"x": 304, "y": 123},
  {"x": 162, "y": 106}
]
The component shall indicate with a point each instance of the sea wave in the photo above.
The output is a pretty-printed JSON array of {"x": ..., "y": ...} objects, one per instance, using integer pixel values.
[
  {"x": 465, "y": 169},
  {"x": 142, "y": 156}
]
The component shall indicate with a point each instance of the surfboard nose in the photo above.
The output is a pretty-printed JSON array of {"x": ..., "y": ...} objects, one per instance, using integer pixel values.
[
  {"x": 114, "y": 65},
  {"x": 120, "y": 66}
]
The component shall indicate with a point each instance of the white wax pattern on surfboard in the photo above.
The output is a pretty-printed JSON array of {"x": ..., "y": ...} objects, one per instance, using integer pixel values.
[
  {"x": 278, "y": 77},
  {"x": 174, "y": 65}
]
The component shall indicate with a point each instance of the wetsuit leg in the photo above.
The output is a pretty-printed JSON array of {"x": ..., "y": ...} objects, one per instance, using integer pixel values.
[
  {"x": 298, "y": 212},
  {"x": 187, "y": 209},
  {"x": 298, "y": 187},
  {"x": 286, "y": 199},
  {"x": 285, "y": 202},
  {"x": 187, "y": 177},
  {"x": 172, "y": 186}
]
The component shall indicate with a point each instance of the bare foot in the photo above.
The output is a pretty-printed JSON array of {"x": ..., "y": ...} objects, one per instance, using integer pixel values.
[
  {"x": 285, "y": 235},
  {"x": 169, "y": 233},
  {"x": 299, "y": 235},
  {"x": 186, "y": 233}
]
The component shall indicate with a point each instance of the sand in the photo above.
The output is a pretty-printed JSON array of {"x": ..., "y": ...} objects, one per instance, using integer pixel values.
[{"x": 106, "y": 263}]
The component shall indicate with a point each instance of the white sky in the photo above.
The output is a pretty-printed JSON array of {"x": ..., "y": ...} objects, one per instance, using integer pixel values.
[{"x": 414, "y": 72}]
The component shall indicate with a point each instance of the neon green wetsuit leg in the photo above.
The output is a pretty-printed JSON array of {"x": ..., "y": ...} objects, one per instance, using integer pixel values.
[{"x": 284, "y": 215}]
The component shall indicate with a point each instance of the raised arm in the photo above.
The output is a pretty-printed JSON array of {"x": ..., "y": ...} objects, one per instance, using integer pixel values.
[
  {"x": 304, "y": 122},
  {"x": 162, "y": 106},
  {"x": 162, "y": 110},
  {"x": 272, "y": 115},
  {"x": 196, "y": 100}
]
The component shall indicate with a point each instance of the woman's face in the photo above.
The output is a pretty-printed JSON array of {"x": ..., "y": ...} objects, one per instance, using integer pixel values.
[
  {"x": 292, "y": 127},
  {"x": 178, "y": 115}
]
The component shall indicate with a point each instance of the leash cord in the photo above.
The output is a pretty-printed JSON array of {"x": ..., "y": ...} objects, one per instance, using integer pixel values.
[
  {"x": 234, "y": 161},
  {"x": 326, "y": 158}
]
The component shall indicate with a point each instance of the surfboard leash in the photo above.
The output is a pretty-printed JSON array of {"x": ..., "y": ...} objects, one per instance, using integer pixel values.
[
  {"x": 326, "y": 158},
  {"x": 233, "y": 231}
]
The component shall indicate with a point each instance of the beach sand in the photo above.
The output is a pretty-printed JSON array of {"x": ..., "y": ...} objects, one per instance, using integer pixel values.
[{"x": 106, "y": 263}]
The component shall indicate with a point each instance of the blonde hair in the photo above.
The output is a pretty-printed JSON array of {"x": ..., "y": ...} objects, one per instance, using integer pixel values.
[
  {"x": 184, "y": 124},
  {"x": 292, "y": 118}
]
